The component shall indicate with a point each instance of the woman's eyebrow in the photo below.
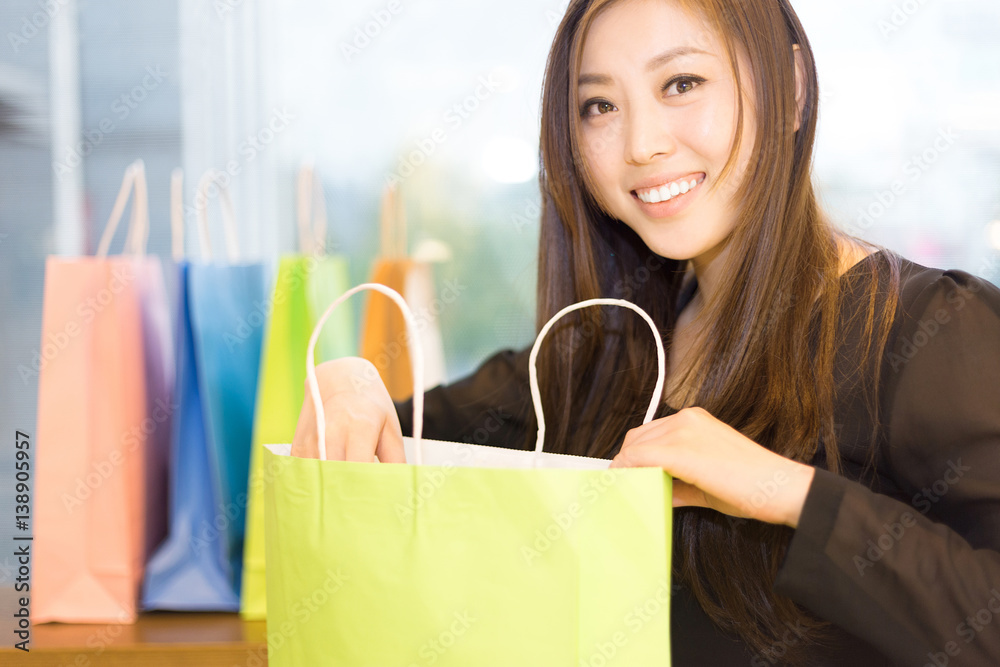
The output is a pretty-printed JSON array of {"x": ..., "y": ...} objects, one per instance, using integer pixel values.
[{"x": 654, "y": 63}]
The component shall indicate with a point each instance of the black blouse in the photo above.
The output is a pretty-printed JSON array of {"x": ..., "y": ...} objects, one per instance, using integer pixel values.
[{"x": 905, "y": 561}]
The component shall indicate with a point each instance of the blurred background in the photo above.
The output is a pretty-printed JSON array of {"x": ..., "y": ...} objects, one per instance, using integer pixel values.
[{"x": 443, "y": 97}]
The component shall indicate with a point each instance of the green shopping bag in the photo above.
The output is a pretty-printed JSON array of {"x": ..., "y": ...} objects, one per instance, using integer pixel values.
[
  {"x": 468, "y": 554},
  {"x": 306, "y": 283}
]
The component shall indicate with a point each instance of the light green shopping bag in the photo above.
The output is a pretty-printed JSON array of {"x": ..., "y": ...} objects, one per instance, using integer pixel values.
[
  {"x": 305, "y": 285},
  {"x": 467, "y": 555}
]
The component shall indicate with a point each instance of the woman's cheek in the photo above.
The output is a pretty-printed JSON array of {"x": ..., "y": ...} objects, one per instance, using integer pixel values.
[
  {"x": 599, "y": 141},
  {"x": 708, "y": 130},
  {"x": 597, "y": 154}
]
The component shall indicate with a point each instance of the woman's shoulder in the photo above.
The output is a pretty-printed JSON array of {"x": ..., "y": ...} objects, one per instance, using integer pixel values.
[
  {"x": 921, "y": 284},
  {"x": 939, "y": 310},
  {"x": 922, "y": 288}
]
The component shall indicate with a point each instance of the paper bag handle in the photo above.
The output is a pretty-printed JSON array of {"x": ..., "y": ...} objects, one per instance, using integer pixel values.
[
  {"x": 416, "y": 355},
  {"x": 311, "y": 211},
  {"x": 228, "y": 216},
  {"x": 392, "y": 224},
  {"x": 138, "y": 231},
  {"x": 536, "y": 397},
  {"x": 177, "y": 214}
]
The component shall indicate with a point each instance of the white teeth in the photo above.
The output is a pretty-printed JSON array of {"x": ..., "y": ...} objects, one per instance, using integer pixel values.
[{"x": 669, "y": 191}]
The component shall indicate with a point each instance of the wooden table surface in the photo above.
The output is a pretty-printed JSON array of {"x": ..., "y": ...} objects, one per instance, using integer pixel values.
[{"x": 156, "y": 640}]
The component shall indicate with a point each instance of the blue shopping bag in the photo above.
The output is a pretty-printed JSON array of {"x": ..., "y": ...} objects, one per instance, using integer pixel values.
[{"x": 219, "y": 336}]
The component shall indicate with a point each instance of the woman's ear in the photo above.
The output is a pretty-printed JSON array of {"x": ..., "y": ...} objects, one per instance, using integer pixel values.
[{"x": 800, "y": 84}]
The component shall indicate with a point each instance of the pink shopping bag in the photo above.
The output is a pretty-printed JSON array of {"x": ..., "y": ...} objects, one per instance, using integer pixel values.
[{"x": 104, "y": 410}]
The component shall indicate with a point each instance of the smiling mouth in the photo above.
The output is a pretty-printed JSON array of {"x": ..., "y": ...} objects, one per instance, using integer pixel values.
[{"x": 668, "y": 191}]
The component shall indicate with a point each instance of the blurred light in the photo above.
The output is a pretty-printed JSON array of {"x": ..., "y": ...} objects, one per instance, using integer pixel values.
[
  {"x": 993, "y": 230},
  {"x": 432, "y": 251},
  {"x": 510, "y": 160}
]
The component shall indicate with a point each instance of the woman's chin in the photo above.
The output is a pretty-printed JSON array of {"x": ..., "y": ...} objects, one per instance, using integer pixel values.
[{"x": 674, "y": 248}]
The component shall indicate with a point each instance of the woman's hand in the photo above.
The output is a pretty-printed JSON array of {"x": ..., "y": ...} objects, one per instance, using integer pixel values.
[
  {"x": 716, "y": 466},
  {"x": 361, "y": 420}
]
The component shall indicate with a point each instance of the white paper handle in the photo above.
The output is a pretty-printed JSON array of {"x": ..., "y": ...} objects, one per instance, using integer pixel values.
[
  {"x": 138, "y": 231},
  {"x": 177, "y": 214},
  {"x": 228, "y": 216},
  {"x": 536, "y": 397},
  {"x": 416, "y": 356},
  {"x": 392, "y": 224},
  {"x": 311, "y": 209}
]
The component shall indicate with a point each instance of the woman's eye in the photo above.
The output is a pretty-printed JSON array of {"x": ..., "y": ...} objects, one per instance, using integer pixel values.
[
  {"x": 682, "y": 85},
  {"x": 602, "y": 106}
]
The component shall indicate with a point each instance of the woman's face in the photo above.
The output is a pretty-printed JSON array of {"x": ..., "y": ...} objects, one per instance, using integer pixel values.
[{"x": 658, "y": 106}]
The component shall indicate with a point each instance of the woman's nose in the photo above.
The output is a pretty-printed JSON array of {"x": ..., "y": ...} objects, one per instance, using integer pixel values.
[{"x": 647, "y": 134}]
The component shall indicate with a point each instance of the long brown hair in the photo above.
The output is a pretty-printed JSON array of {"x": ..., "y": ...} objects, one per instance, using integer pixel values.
[{"x": 766, "y": 363}]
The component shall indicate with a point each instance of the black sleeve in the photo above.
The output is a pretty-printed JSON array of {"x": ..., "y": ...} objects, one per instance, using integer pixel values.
[
  {"x": 490, "y": 407},
  {"x": 920, "y": 578}
]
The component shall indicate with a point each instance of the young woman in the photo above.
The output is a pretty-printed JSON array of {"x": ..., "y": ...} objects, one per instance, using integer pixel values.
[{"x": 832, "y": 413}]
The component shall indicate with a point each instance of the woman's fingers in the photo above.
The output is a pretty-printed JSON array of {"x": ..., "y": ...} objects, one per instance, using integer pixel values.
[
  {"x": 359, "y": 436},
  {"x": 390, "y": 445},
  {"x": 304, "y": 443},
  {"x": 688, "y": 495},
  {"x": 357, "y": 411},
  {"x": 644, "y": 448}
]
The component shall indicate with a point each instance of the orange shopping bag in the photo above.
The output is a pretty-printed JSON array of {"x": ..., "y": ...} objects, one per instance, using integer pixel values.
[{"x": 104, "y": 409}]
